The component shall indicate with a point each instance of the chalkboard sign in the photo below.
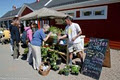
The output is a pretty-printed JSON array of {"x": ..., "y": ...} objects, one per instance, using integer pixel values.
[{"x": 95, "y": 55}]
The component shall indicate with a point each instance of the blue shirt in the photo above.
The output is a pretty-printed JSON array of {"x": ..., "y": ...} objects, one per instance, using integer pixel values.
[
  {"x": 38, "y": 37},
  {"x": 15, "y": 35}
]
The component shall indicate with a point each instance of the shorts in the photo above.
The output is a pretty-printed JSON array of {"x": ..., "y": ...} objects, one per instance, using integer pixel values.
[{"x": 77, "y": 47}]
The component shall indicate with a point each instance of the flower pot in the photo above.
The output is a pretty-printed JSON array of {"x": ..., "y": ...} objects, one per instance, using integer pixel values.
[
  {"x": 55, "y": 67},
  {"x": 66, "y": 73},
  {"x": 59, "y": 60},
  {"x": 74, "y": 73}
]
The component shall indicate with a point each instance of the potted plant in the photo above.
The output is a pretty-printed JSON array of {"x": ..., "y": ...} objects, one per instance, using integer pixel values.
[
  {"x": 55, "y": 67},
  {"x": 58, "y": 61},
  {"x": 75, "y": 69},
  {"x": 66, "y": 71}
]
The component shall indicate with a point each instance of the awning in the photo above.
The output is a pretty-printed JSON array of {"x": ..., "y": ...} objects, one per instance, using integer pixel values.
[{"x": 43, "y": 12}]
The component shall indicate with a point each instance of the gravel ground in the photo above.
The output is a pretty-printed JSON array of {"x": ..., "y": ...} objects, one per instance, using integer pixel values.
[{"x": 21, "y": 70}]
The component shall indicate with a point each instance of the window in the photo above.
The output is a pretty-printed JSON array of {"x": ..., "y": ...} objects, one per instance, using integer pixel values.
[
  {"x": 87, "y": 13},
  {"x": 71, "y": 14},
  {"x": 100, "y": 12},
  {"x": 92, "y": 13}
]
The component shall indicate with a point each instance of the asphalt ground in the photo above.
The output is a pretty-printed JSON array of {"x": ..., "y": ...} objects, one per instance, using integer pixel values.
[{"x": 20, "y": 69}]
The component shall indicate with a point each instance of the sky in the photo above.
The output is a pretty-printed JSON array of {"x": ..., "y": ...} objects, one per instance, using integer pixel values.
[{"x": 6, "y": 5}]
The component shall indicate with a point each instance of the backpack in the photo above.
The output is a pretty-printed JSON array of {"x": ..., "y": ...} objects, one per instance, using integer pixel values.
[{"x": 24, "y": 37}]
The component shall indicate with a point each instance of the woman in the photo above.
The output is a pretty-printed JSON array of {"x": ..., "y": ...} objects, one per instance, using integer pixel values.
[
  {"x": 38, "y": 38},
  {"x": 29, "y": 37}
]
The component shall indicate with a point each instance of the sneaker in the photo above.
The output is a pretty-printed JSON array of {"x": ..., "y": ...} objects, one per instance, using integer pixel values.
[{"x": 16, "y": 59}]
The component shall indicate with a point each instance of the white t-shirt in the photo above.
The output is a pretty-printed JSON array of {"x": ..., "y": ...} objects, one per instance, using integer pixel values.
[{"x": 72, "y": 31}]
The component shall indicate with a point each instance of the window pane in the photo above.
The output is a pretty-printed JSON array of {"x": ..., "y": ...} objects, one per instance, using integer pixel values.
[
  {"x": 87, "y": 13},
  {"x": 99, "y": 12},
  {"x": 71, "y": 14}
]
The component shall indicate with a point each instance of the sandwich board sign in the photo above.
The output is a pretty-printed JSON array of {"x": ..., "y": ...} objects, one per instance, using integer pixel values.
[{"x": 95, "y": 56}]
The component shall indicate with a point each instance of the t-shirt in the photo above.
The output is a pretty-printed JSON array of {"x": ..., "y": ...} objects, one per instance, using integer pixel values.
[
  {"x": 38, "y": 37},
  {"x": 15, "y": 35},
  {"x": 72, "y": 31}
]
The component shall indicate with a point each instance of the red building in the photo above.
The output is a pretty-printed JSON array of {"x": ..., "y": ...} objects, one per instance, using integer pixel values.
[{"x": 97, "y": 18}]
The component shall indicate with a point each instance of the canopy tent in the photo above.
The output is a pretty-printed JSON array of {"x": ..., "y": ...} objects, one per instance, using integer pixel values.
[{"x": 43, "y": 12}]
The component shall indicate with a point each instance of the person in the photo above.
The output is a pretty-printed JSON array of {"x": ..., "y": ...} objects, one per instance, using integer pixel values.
[
  {"x": 29, "y": 37},
  {"x": 15, "y": 37},
  {"x": 6, "y": 34},
  {"x": 73, "y": 32},
  {"x": 36, "y": 43},
  {"x": 21, "y": 28},
  {"x": 34, "y": 27}
]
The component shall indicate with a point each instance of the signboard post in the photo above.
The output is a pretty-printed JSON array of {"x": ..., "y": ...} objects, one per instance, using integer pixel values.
[{"x": 95, "y": 55}]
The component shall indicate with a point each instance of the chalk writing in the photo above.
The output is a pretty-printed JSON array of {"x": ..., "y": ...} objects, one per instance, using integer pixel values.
[{"x": 94, "y": 57}]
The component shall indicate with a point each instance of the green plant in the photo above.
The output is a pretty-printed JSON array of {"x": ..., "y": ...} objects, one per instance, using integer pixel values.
[
  {"x": 55, "y": 67},
  {"x": 75, "y": 69},
  {"x": 55, "y": 30},
  {"x": 26, "y": 51},
  {"x": 53, "y": 63},
  {"x": 54, "y": 56},
  {"x": 44, "y": 51},
  {"x": 66, "y": 71}
]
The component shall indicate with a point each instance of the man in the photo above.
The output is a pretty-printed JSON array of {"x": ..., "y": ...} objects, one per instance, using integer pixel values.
[
  {"x": 15, "y": 37},
  {"x": 6, "y": 34},
  {"x": 73, "y": 32},
  {"x": 36, "y": 43}
]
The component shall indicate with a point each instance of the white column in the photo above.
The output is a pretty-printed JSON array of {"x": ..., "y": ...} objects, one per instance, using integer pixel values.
[{"x": 24, "y": 23}]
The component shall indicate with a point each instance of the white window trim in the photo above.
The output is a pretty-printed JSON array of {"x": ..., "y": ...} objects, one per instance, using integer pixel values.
[{"x": 105, "y": 8}]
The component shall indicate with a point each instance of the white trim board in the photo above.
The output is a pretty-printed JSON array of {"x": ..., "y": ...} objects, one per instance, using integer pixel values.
[
  {"x": 23, "y": 8},
  {"x": 85, "y": 4}
]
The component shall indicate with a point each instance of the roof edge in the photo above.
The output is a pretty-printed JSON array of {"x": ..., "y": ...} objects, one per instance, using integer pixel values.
[{"x": 83, "y": 4}]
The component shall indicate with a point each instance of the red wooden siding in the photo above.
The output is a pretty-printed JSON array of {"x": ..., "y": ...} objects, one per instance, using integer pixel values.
[
  {"x": 102, "y": 28},
  {"x": 26, "y": 11},
  {"x": 108, "y": 29},
  {"x": 77, "y": 14}
]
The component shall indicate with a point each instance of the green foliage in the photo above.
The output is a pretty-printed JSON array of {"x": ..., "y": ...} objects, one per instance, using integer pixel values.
[
  {"x": 65, "y": 70},
  {"x": 54, "y": 56},
  {"x": 26, "y": 50},
  {"x": 55, "y": 67},
  {"x": 75, "y": 69},
  {"x": 55, "y": 30},
  {"x": 44, "y": 52}
]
